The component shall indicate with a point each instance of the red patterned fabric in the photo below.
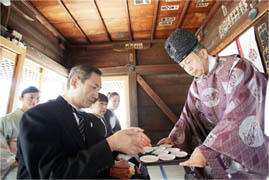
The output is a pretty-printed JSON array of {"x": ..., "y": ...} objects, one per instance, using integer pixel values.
[{"x": 224, "y": 112}]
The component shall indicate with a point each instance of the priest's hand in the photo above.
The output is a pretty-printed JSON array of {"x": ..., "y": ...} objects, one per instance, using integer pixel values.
[
  {"x": 166, "y": 140},
  {"x": 197, "y": 159}
]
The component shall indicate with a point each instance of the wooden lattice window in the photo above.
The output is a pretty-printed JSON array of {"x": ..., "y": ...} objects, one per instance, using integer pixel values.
[{"x": 6, "y": 74}]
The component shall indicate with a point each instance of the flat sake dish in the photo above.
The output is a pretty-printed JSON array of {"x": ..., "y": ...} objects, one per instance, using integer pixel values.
[
  {"x": 173, "y": 149},
  {"x": 167, "y": 157},
  {"x": 160, "y": 151},
  {"x": 180, "y": 154},
  {"x": 148, "y": 149},
  {"x": 149, "y": 158},
  {"x": 166, "y": 145},
  {"x": 158, "y": 147}
]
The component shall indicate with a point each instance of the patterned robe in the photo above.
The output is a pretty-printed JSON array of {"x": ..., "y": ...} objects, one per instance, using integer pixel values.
[
  {"x": 224, "y": 115},
  {"x": 9, "y": 130}
]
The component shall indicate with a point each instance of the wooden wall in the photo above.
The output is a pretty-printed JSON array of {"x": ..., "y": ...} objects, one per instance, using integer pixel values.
[
  {"x": 35, "y": 35},
  {"x": 171, "y": 86}
]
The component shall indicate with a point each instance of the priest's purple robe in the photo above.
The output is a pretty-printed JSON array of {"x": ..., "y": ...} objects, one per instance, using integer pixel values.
[{"x": 224, "y": 116}]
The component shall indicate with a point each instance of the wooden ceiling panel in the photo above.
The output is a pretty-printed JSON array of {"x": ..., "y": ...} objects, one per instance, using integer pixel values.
[
  {"x": 162, "y": 24},
  {"x": 93, "y": 28},
  {"x": 203, "y": 6},
  {"x": 138, "y": 35},
  {"x": 111, "y": 9},
  {"x": 54, "y": 14},
  {"x": 120, "y": 36},
  {"x": 116, "y": 25},
  {"x": 82, "y": 10},
  {"x": 143, "y": 10},
  {"x": 70, "y": 32},
  {"x": 93, "y": 21},
  {"x": 42, "y": 3},
  {"x": 164, "y": 4},
  {"x": 102, "y": 37},
  {"x": 141, "y": 24},
  {"x": 193, "y": 20}
]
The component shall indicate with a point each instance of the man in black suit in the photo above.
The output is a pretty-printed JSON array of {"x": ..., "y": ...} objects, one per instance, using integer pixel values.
[{"x": 58, "y": 141}]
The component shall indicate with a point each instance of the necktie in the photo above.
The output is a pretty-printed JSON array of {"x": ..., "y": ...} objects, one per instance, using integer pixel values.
[{"x": 81, "y": 122}]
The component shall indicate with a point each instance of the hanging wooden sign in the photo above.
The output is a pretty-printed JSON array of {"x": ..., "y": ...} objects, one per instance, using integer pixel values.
[
  {"x": 262, "y": 36},
  {"x": 131, "y": 45}
]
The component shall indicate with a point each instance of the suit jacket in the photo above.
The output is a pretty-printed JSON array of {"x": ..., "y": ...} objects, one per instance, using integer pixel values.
[{"x": 51, "y": 147}]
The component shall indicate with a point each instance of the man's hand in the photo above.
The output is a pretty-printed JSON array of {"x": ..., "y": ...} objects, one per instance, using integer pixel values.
[
  {"x": 130, "y": 141},
  {"x": 166, "y": 140},
  {"x": 197, "y": 159}
]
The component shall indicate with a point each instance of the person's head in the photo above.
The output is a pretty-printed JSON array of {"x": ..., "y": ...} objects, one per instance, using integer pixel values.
[
  {"x": 83, "y": 84},
  {"x": 29, "y": 97},
  {"x": 99, "y": 107},
  {"x": 183, "y": 47},
  {"x": 113, "y": 100}
]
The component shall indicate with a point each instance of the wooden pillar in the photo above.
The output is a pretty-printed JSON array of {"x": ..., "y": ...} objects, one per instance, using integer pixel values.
[
  {"x": 4, "y": 15},
  {"x": 133, "y": 90},
  {"x": 16, "y": 79},
  {"x": 41, "y": 78}
]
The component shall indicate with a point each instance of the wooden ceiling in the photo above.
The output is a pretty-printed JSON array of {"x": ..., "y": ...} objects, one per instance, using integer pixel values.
[{"x": 106, "y": 21}]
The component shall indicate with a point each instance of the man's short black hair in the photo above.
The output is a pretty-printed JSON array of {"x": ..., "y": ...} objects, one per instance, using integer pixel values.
[
  {"x": 30, "y": 89},
  {"x": 83, "y": 72}
]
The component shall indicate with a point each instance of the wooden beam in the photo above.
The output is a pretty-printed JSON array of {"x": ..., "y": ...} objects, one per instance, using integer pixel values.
[
  {"x": 157, "y": 99},
  {"x": 111, "y": 44},
  {"x": 45, "y": 61},
  {"x": 74, "y": 20},
  {"x": 142, "y": 69},
  {"x": 44, "y": 21},
  {"x": 101, "y": 19},
  {"x": 112, "y": 71},
  {"x": 183, "y": 13},
  {"x": 210, "y": 15},
  {"x": 5, "y": 11},
  {"x": 5, "y": 43},
  {"x": 22, "y": 13},
  {"x": 129, "y": 20},
  {"x": 155, "y": 19}
]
